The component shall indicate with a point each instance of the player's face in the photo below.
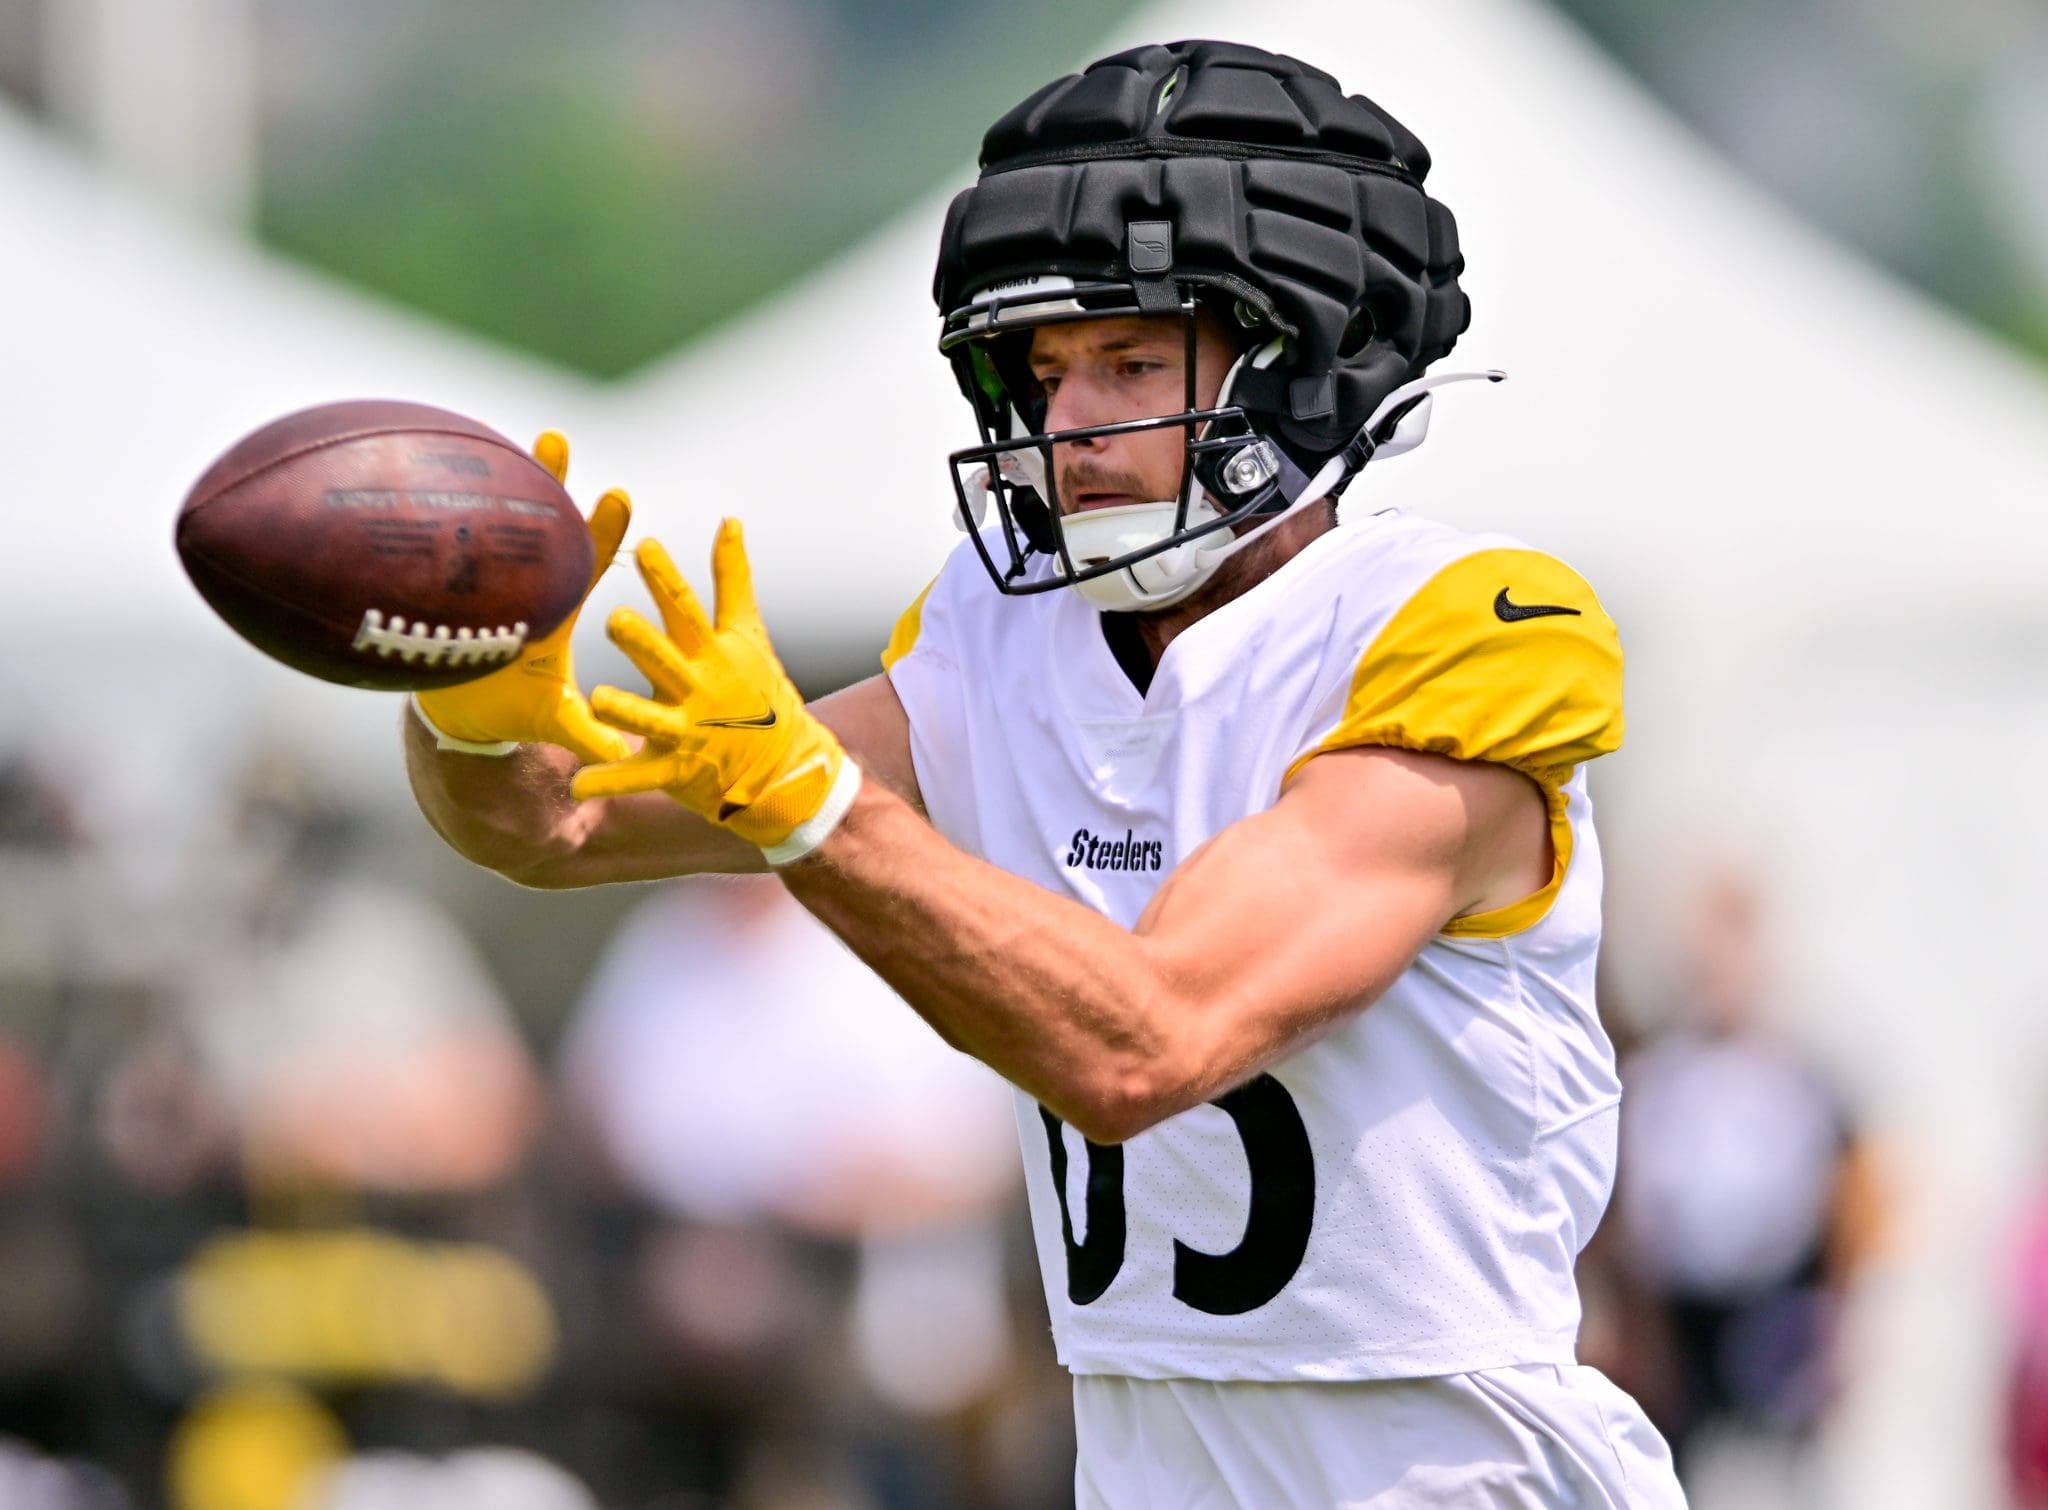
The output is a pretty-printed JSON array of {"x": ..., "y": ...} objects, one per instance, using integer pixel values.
[{"x": 1102, "y": 372}]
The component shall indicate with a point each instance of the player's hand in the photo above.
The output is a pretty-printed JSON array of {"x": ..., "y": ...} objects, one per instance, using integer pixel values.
[
  {"x": 729, "y": 736},
  {"x": 535, "y": 699}
]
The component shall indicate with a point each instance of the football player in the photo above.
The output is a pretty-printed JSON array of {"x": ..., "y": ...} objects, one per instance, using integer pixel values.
[{"x": 1255, "y": 852}]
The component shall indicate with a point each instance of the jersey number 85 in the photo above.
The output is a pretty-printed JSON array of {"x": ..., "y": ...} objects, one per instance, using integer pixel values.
[{"x": 1283, "y": 1193}]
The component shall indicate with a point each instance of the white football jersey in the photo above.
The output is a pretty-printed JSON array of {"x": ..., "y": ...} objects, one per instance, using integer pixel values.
[{"x": 1407, "y": 1196}]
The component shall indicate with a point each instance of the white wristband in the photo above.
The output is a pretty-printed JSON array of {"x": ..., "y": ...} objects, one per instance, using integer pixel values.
[
  {"x": 447, "y": 741},
  {"x": 817, "y": 828}
]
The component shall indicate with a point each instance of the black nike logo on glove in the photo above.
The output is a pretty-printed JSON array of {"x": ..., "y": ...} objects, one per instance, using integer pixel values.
[
  {"x": 758, "y": 721},
  {"x": 1508, "y": 612}
]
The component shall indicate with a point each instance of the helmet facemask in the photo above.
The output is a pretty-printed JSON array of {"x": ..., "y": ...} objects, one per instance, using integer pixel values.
[{"x": 1127, "y": 557}]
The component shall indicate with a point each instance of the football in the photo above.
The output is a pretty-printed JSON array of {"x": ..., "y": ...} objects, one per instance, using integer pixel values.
[{"x": 384, "y": 544}]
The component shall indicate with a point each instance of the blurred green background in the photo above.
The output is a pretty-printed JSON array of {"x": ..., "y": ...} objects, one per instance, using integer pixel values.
[{"x": 598, "y": 184}]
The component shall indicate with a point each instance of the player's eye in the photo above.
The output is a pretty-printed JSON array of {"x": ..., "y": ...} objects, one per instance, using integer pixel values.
[{"x": 1048, "y": 384}]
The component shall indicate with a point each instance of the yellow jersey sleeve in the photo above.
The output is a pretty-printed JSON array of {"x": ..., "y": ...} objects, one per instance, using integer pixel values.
[
  {"x": 903, "y": 638},
  {"x": 1504, "y": 655}
]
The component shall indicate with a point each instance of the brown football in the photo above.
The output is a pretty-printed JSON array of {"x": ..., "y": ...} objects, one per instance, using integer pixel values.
[{"x": 383, "y": 544}]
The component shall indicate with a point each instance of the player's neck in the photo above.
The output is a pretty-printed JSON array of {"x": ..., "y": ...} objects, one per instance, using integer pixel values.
[{"x": 1236, "y": 577}]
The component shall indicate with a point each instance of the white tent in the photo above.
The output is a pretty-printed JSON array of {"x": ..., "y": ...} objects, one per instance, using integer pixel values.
[{"x": 1813, "y": 502}]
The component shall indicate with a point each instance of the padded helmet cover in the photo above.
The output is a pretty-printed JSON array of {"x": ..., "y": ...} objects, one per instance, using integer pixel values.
[{"x": 1286, "y": 198}]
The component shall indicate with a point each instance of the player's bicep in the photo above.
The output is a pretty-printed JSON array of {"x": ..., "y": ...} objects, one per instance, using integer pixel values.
[
  {"x": 1292, "y": 919},
  {"x": 869, "y": 719}
]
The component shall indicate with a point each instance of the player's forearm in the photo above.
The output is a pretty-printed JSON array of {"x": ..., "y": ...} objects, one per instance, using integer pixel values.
[
  {"x": 1062, "y": 1002},
  {"x": 513, "y": 814}
]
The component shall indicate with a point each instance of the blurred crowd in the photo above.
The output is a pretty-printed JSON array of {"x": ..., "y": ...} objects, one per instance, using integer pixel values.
[
  {"x": 295, "y": 1214},
  {"x": 1749, "y": 1204}
]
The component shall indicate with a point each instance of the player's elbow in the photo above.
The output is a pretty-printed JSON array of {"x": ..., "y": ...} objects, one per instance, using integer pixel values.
[
  {"x": 1179, "y": 1071},
  {"x": 1152, "y": 1072},
  {"x": 1105, "y": 1123},
  {"x": 1119, "y": 1103}
]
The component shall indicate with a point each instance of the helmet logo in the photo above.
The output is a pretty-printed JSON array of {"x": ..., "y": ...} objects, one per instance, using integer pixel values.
[{"x": 1148, "y": 246}]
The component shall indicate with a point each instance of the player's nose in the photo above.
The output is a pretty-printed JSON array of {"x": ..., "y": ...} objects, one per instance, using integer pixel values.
[{"x": 1077, "y": 404}]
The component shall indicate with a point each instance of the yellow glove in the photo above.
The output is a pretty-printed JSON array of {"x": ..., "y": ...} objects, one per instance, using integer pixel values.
[
  {"x": 535, "y": 699},
  {"x": 730, "y": 738}
]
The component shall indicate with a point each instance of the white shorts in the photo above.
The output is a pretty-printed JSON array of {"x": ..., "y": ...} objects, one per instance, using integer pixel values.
[{"x": 1529, "y": 1436}]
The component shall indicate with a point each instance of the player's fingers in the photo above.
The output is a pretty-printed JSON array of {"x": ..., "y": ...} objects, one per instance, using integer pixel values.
[
  {"x": 681, "y": 614},
  {"x": 576, "y": 730},
  {"x": 732, "y": 580},
  {"x": 659, "y": 658},
  {"x": 637, "y": 715},
  {"x": 551, "y": 450},
  {"x": 607, "y": 526},
  {"x": 608, "y": 521},
  {"x": 620, "y": 778}
]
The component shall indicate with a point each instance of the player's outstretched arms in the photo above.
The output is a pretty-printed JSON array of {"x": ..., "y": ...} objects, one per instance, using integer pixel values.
[
  {"x": 514, "y": 814},
  {"x": 1275, "y": 929}
]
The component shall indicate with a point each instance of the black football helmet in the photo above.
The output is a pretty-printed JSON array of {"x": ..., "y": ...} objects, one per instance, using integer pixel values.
[{"x": 1161, "y": 181}]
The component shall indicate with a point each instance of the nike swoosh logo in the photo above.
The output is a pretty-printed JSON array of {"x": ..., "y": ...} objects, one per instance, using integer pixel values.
[
  {"x": 1508, "y": 612},
  {"x": 758, "y": 721}
]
